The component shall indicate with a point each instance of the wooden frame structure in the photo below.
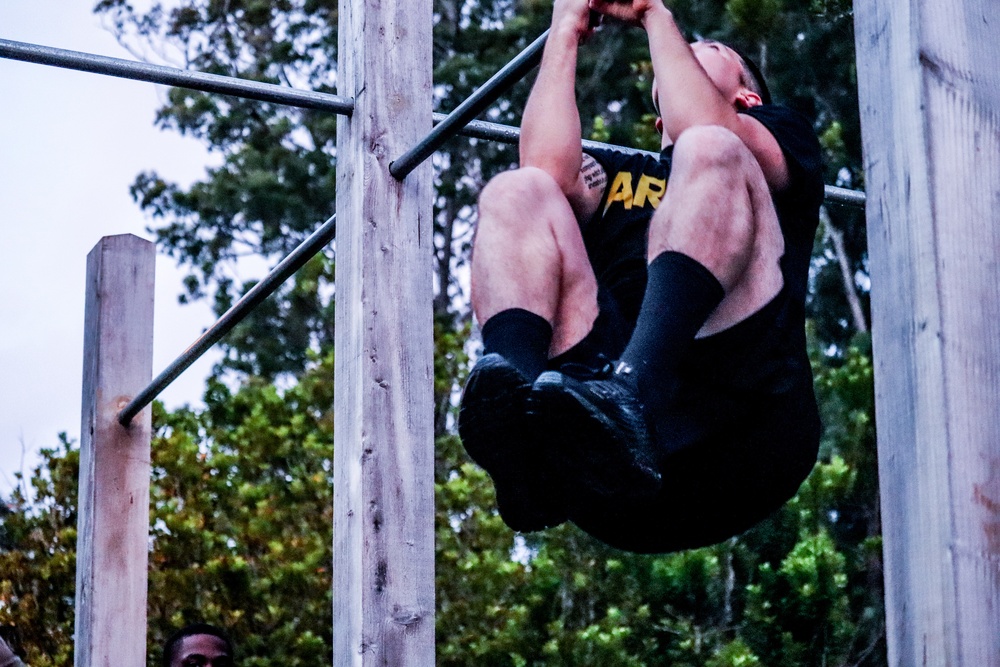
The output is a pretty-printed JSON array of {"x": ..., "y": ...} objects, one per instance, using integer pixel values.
[
  {"x": 384, "y": 459},
  {"x": 931, "y": 136},
  {"x": 113, "y": 513},
  {"x": 932, "y": 147}
]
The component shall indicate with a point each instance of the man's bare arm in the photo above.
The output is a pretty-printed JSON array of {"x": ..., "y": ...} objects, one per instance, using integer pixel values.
[
  {"x": 550, "y": 129},
  {"x": 589, "y": 192},
  {"x": 687, "y": 96}
]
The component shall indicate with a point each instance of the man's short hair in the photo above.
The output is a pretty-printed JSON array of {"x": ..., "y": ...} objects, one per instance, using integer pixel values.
[
  {"x": 752, "y": 76},
  {"x": 170, "y": 647}
]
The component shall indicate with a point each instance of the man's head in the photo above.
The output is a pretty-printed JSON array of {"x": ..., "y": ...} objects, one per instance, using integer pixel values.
[
  {"x": 736, "y": 76},
  {"x": 732, "y": 72},
  {"x": 198, "y": 645}
]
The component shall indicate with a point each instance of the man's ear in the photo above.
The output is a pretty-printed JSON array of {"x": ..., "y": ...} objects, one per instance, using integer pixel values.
[{"x": 746, "y": 98}]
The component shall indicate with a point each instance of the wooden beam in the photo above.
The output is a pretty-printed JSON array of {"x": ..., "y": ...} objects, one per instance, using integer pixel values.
[
  {"x": 113, "y": 510},
  {"x": 929, "y": 82},
  {"x": 384, "y": 452}
]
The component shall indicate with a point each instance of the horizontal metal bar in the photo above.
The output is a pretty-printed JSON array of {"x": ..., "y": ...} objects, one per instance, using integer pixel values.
[
  {"x": 288, "y": 266},
  {"x": 170, "y": 76},
  {"x": 507, "y": 134},
  {"x": 481, "y": 129},
  {"x": 846, "y": 197},
  {"x": 266, "y": 92},
  {"x": 473, "y": 105}
]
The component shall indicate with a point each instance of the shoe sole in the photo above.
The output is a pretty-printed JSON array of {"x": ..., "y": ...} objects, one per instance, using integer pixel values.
[
  {"x": 500, "y": 437},
  {"x": 603, "y": 469}
]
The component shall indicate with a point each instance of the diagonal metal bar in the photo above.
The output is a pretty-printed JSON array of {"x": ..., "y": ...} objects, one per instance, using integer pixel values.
[
  {"x": 171, "y": 76},
  {"x": 474, "y": 105},
  {"x": 288, "y": 266},
  {"x": 844, "y": 196}
]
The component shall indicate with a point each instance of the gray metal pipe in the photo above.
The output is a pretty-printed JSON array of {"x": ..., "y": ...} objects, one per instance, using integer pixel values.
[
  {"x": 292, "y": 263},
  {"x": 835, "y": 195},
  {"x": 319, "y": 239},
  {"x": 171, "y": 76}
]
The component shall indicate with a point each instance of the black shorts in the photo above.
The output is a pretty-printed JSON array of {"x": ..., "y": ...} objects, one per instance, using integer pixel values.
[{"x": 745, "y": 430}]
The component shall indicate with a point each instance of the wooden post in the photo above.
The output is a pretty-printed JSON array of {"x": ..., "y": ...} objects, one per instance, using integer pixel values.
[
  {"x": 384, "y": 453},
  {"x": 113, "y": 523},
  {"x": 929, "y": 80}
]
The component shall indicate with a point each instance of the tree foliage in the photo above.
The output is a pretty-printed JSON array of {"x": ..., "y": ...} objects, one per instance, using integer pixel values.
[
  {"x": 241, "y": 520},
  {"x": 240, "y": 528},
  {"x": 241, "y": 488}
]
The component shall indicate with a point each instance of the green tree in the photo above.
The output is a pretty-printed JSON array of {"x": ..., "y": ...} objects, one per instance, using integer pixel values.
[
  {"x": 38, "y": 559},
  {"x": 241, "y": 528}
]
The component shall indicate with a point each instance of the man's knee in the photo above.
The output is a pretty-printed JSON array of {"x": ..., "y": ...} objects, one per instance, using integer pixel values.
[
  {"x": 706, "y": 149},
  {"x": 517, "y": 190},
  {"x": 525, "y": 204},
  {"x": 709, "y": 215}
]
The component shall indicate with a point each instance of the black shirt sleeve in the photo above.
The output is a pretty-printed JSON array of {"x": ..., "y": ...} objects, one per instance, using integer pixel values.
[
  {"x": 612, "y": 160},
  {"x": 802, "y": 151}
]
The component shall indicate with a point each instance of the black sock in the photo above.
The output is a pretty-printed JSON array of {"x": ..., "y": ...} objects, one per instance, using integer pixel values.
[
  {"x": 521, "y": 337},
  {"x": 680, "y": 295}
]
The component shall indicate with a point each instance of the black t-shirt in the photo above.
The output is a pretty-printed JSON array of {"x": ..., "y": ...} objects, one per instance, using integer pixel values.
[{"x": 615, "y": 237}]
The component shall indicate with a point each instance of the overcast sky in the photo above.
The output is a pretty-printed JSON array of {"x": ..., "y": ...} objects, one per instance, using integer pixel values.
[{"x": 71, "y": 143}]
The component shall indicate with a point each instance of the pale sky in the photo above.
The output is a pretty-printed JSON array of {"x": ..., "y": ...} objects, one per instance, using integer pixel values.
[{"x": 71, "y": 143}]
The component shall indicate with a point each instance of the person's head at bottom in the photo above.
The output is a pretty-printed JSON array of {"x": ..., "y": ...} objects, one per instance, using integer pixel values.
[{"x": 198, "y": 645}]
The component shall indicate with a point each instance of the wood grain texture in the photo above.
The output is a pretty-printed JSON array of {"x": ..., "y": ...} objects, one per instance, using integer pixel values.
[
  {"x": 113, "y": 511},
  {"x": 929, "y": 83},
  {"x": 384, "y": 453}
]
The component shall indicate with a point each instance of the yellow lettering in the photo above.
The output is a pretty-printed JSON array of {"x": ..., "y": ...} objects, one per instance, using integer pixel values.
[
  {"x": 621, "y": 190},
  {"x": 650, "y": 188}
]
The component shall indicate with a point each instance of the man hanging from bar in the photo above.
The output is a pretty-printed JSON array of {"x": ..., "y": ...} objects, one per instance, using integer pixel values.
[{"x": 645, "y": 372}]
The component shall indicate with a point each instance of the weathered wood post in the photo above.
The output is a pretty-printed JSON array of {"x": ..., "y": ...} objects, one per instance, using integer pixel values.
[
  {"x": 113, "y": 510},
  {"x": 929, "y": 80},
  {"x": 383, "y": 481}
]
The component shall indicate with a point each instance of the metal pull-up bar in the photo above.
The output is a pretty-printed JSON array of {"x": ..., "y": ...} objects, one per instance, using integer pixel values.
[
  {"x": 458, "y": 121},
  {"x": 507, "y": 134},
  {"x": 171, "y": 76}
]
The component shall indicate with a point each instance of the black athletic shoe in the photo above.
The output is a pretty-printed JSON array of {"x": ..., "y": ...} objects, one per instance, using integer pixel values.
[
  {"x": 499, "y": 435},
  {"x": 600, "y": 439}
]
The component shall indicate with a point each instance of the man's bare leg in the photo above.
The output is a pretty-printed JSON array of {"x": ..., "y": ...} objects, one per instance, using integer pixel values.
[
  {"x": 535, "y": 295},
  {"x": 718, "y": 211},
  {"x": 529, "y": 254}
]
